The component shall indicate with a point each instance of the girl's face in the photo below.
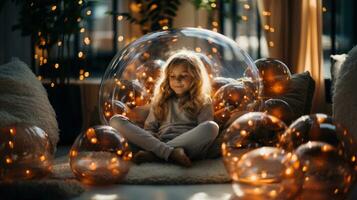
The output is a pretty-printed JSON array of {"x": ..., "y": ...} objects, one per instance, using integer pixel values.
[{"x": 180, "y": 79}]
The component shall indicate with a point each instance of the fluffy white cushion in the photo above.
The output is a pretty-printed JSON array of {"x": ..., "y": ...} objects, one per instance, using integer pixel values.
[
  {"x": 345, "y": 93},
  {"x": 23, "y": 99}
]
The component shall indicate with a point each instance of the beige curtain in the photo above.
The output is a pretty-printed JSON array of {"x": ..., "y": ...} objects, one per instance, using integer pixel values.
[{"x": 293, "y": 30}]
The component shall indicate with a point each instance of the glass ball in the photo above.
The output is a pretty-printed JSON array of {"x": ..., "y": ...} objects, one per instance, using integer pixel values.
[
  {"x": 267, "y": 173},
  {"x": 250, "y": 131},
  {"x": 275, "y": 76},
  {"x": 100, "y": 155},
  {"x": 25, "y": 152},
  {"x": 280, "y": 109},
  {"x": 323, "y": 128},
  {"x": 219, "y": 82},
  {"x": 221, "y": 55},
  {"x": 326, "y": 172},
  {"x": 233, "y": 97}
]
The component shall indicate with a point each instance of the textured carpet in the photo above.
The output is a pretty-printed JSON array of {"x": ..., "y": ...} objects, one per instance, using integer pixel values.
[{"x": 202, "y": 172}]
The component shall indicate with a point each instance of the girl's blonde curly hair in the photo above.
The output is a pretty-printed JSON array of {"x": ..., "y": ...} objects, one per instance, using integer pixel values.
[{"x": 195, "y": 98}]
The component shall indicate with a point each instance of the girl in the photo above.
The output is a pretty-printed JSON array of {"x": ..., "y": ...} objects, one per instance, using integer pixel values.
[{"x": 179, "y": 126}]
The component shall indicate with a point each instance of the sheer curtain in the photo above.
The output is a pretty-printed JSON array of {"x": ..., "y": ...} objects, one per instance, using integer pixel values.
[{"x": 293, "y": 30}]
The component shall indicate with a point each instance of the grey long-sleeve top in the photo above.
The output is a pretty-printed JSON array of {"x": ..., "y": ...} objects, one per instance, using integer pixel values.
[{"x": 176, "y": 121}]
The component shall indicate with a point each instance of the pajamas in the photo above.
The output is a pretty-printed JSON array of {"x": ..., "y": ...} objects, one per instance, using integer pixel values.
[{"x": 177, "y": 130}]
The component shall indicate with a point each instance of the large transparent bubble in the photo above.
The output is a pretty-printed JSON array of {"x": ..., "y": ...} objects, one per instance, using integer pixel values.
[{"x": 137, "y": 65}]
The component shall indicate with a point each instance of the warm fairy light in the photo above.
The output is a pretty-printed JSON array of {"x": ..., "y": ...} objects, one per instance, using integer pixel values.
[
  {"x": 42, "y": 158},
  {"x": 92, "y": 166},
  {"x": 266, "y": 27},
  {"x": 86, "y": 40},
  {"x": 79, "y": 19},
  {"x": 246, "y": 6},
  {"x": 215, "y": 29},
  {"x": 35, "y": 56},
  {"x": 82, "y": 30},
  {"x": 53, "y": 8},
  {"x": 214, "y": 23},
  {"x": 80, "y": 54},
  {"x": 165, "y": 27},
  {"x": 214, "y": 50},
  {"x": 120, "y": 38},
  {"x": 120, "y": 17},
  {"x": 271, "y": 44},
  {"x": 28, "y": 172},
  {"x": 86, "y": 74},
  {"x": 198, "y": 49},
  {"x": 39, "y": 33},
  {"x": 324, "y": 9},
  {"x": 89, "y": 12},
  {"x": 52, "y": 84},
  {"x": 81, "y": 77},
  {"x": 271, "y": 29},
  {"x": 39, "y": 78},
  {"x": 73, "y": 153},
  {"x": 213, "y": 5},
  {"x": 59, "y": 43},
  {"x": 80, "y": 2},
  {"x": 119, "y": 152},
  {"x": 11, "y": 144},
  {"x": 12, "y": 131},
  {"x": 244, "y": 18},
  {"x": 266, "y": 13},
  {"x": 57, "y": 66},
  {"x": 44, "y": 60},
  {"x": 94, "y": 140},
  {"x": 8, "y": 160}
]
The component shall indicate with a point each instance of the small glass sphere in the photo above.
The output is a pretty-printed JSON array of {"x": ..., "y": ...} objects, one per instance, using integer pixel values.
[
  {"x": 326, "y": 172},
  {"x": 231, "y": 98},
  {"x": 250, "y": 131},
  {"x": 113, "y": 108},
  {"x": 275, "y": 76},
  {"x": 100, "y": 155},
  {"x": 267, "y": 173},
  {"x": 25, "y": 152},
  {"x": 148, "y": 74},
  {"x": 323, "y": 128},
  {"x": 221, "y": 56},
  {"x": 280, "y": 109}
]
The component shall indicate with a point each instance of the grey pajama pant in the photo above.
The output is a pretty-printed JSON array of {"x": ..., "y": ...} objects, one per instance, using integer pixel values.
[{"x": 195, "y": 141}]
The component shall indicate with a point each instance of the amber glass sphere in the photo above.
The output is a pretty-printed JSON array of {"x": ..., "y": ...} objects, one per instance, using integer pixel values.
[
  {"x": 250, "y": 131},
  {"x": 327, "y": 174},
  {"x": 100, "y": 155},
  {"x": 275, "y": 76},
  {"x": 323, "y": 128},
  {"x": 233, "y": 97},
  {"x": 219, "y": 82},
  {"x": 148, "y": 73},
  {"x": 25, "y": 153},
  {"x": 267, "y": 173},
  {"x": 115, "y": 107},
  {"x": 280, "y": 109}
]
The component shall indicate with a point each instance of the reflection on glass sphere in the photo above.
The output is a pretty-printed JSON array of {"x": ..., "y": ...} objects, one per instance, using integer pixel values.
[
  {"x": 323, "y": 128},
  {"x": 100, "y": 155},
  {"x": 231, "y": 98},
  {"x": 113, "y": 108},
  {"x": 25, "y": 153},
  {"x": 220, "y": 54},
  {"x": 275, "y": 76},
  {"x": 280, "y": 109},
  {"x": 326, "y": 172},
  {"x": 250, "y": 131},
  {"x": 219, "y": 82},
  {"x": 148, "y": 73},
  {"x": 267, "y": 173}
]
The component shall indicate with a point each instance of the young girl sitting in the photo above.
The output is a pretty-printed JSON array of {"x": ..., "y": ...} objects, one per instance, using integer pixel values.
[{"x": 179, "y": 126}]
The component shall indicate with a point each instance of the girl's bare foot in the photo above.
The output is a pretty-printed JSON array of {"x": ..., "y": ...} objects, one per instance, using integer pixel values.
[
  {"x": 179, "y": 156},
  {"x": 144, "y": 156}
]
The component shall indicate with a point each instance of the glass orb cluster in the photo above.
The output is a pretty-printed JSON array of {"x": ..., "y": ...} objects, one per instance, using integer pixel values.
[{"x": 318, "y": 153}]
